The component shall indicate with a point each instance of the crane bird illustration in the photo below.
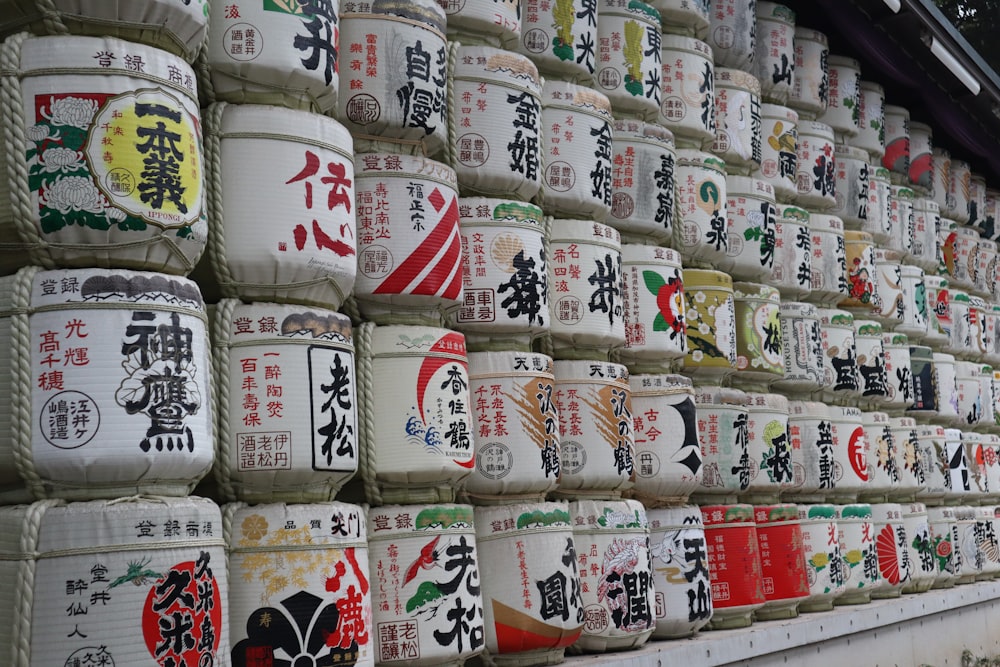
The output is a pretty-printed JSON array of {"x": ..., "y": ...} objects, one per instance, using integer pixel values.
[{"x": 426, "y": 560}]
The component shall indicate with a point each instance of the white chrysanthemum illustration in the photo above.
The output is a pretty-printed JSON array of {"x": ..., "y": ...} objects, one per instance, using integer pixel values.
[
  {"x": 37, "y": 133},
  {"x": 74, "y": 111},
  {"x": 115, "y": 214},
  {"x": 59, "y": 159},
  {"x": 72, "y": 193}
]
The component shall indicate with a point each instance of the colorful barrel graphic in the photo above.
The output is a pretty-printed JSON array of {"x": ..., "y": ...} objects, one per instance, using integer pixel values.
[
  {"x": 780, "y": 137},
  {"x": 710, "y": 311},
  {"x": 811, "y": 78},
  {"x": 532, "y": 600},
  {"x": 901, "y": 219},
  {"x": 970, "y": 396},
  {"x": 769, "y": 446},
  {"x": 497, "y": 24},
  {"x": 415, "y": 428},
  {"x": 991, "y": 215},
  {"x": 862, "y": 285},
  {"x": 910, "y": 459},
  {"x": 946, "y": 387},
  {"x": 653, "y": 297},
  {"x": 515, "y": 426},
  {"x": 977, "y": 200},
  {"x": 738, "y": 587},
  {"x": 815, "y": 176},
  {"x": 890, "y": 306},
  {"x": 284, "y": 53},
  {"x": 920, "y": 544},
  {"x": 73, "y": 196},
  {"x": 882, "y": 223},
  {"x": 270, "y": 239},
  {"x": 947, "y": 237},
  {"x": 560, "y": 38},
  {"x": 871, "y": 121},
  {"x": 853, "y": 188},
  {"x": 683, "y": 594},
  {"x": 505, "y": 288},
  {"x": 791, "y": 271},
  {"x": 668, "y": 458},
  {"x": 618, "y": 601},
  {"x": 959, "y": 480},
  {"x": 287, "y": 402},
  {"x": 945, "y": 545},
  {"x": 133, "y": 348},
  {"x": 643, "y": 182},
  {"x": 915, "y": 309},
  {"x": 926, "y": 220},
  {"x": 495, "y": 123},
  {"x": 759, "y": 356},
  {"x": 871, "y": 360},
  {"x": 899, "y": 382},
  {"x": 684, "y": 17},
  {"x": 986, "y": 538},
  {"x": 986, "y": 268},
  {"x": 723, "y": 432},
  {"x": 892, "y": 546},
  {"x": 597, "y": 440},
  {"x": 975, "y": 444},
  {"x": 628, "y": 57},
  {"x": 409, "y": 245},
  {"x": 843, "y": 108},
  {"x": 825, "y": 565},
  {"x": 941, "y": 168},
  {"x": 738, "y": 126},
  {"x": 966, "y": 251},
  {"x": 850, "y": 454},
  {"x": 585, "y": 281},
  {"x": 401, "y": 99},
  {"x": 774, "y": 51},
  {"x": 751, "y": 217},
  {"x": 731, "y": 33},
  {"x": 959, "y": 195},
  {"x": 970, "y": 537},
  {"x": 801, "y": 346},
  {"x": 960, "y": 338},
  {"x": 939, "y": 310},
  {"x": 687, "y": 98},
  {"x": 924, "y": 382},
  {"x": 841, "y": 378},
  {"x": 782, "y": 560},
  {"x": 577, "y": 155},
  {"x": 897, "y": 142},
  {"x": 921, "y": 174},
  {"x": 810, "y": 433},
  {"x": 423, "y": 561},
  {"x": 856, "y": 534},
  {"x": 144, "y": 581},
  {"x": 701, "y": 204},
  {"x": 304, "y": 587},
  {"x": 883, "y": 459}
]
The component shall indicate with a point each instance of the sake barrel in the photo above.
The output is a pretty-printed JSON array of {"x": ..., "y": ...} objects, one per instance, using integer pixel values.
[
  {"x": 988, "y": 418},
  {"x": 779, "y": 133},
  {"x": 861, "y": 278},
  {"x": 585, "y": 279},
  {"x": 921, "y": 173},
  {"x": 684, "y": 17},
  {"x": 986, "y": 538},
  {"x": 897, "y": 142},
  {"x": 970, "y": 397},
  {"x": 991, "y": 463},
  {"x": 924, "y": 382},
  {"x": 946, "y": 239},
  {"x": 710, "y": 309},
  {"x": 73, "y": 196},
  {"x": 723, "y": 432},
  {"x": 305, "y": 589},
  {"x": 879, "y": 193},
  {"x": 618, "y": 602},
  {"x": 959, "y": 184},
  {"x": 270, "y": 239},
  {"x": 926, "y": 220},
  {"x": 576, "y": 151},
  {"x": 409, "y": 245},
  {"x": 986, "y": 267},
  {"x": 855, "y": 532},
  {"x": 738, "y": 127},
  {"x": 668, "y": 458},
  {"x": 945, "y": 544},
  {"x": 961, "y": 324},
  {"x": 841, "y": 379},
  {"x": 959, "y": 485},
  {"x": 282, "y": 53},
  {"x": 415, "y": 426},
  {"x": 974, "y": 444},
  {"x": 996, "y": 400},
  {"x": 759, "y": 356},
  {"x": 915, "y": 311},
  {"x": 801, "y": 347},
  {"x": 286, "y": 400},
  {"x": 596, "y": 436},
  {"x": 810, "y": 432},
  {"x": 811, "y": 78},
  {"x": 824, "y": 563},
  {"x": 992, "y": 327},
  {"x": 843, "y": 108},
  {"x": 883, "y": 461},
  {"x": 791, "y": 272},
  {"x": 850, "y": 454},
  {"x": 774, "y": 51},
  {"x": 128, "y": 570},
  {"x": 890, "y": 306},
  {"x": 853, "y": 188},
  {"x": 653, "y": 298},
  {"x": 643, "y": 182},
  {"x": 702, "y": 203},
  {"x": 991, "y": 214},
  {"x": 515, "y": 426},
  {"x": 497, "y": 25},
  {"x": 769, "y": 447},
  {"x": 402, "y": 97},
  {"x": 946, "y": 386},
  {"x": 737, "y": 588},
  {"x": 532, "y": 603},
  {"x": 423, "y": 558},
  {"x": 939, "y": 306},
  {"x": 179, "y": 29},
  {"x": 682, "y": 590},
  {"x": 751, "y": 217},
  {"x": 829, "y": 259},
  {"x": 941, "y": 169},
  {"x": 782, "y": 559},
  {"x": 894, "y": 562},
  {"x": 731, "y": 33},
  {"x": 132, "y": 348},
  {"x": 560, "y": 38},
  {"x": 505, "y": 289},
  {"x": 901, "y": 219},
  {"x": 972, "y": 560},
  {"x": 910, "y": 459},
  {"x": 966, "y": 249},
  {"x": 495, "y": 124},
  {"x": 815, "y": 180},
  {"x": 628, "y": 57},
  {"x": 919, "y": 543},
  {"x": 871, "y": 121},
  {"x": 977, "y": 200},
  {"x": 687, "y": 96}
]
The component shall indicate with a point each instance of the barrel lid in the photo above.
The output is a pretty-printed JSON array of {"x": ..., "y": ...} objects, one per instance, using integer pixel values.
[
  {"x": 656, "y": 382},
  {"x": 782, "y": 512},
  {"x": 874, "y": 418},
  {"x": 843, "y": 61},
  {"x": 472, "y": 210},
  {"x": 895, "y": 338},
  {"x": 941, "y": 513},
  {"x": 847, "y": 412},
  {"x": 499, "y": 65},
  {"x": 902, "y": 422},
  {"x": 562, "y": 230},
  {"x": 858, "y": 236},
  {"x": 959, "y": 295},
  {"x": 817, "y": 512},
  {"x": 707, "y": 279},
  {"x": 921, "y": 352},
  {"x": 281, "y": 322},
  {"x": 897, "y": 110},
  {"x": 802, "y": 33},
  {"x": 808, "y": 410},
  {"x": 902, "y": 192},
  {"x": 841, "y": 151},
  {"x": 836, "y": 317},
  {"x": 506, "y": 363},
  {"x": 580, "y": 98},
  {"x": 715, "y": 515},
  {"x": 977, "y": 302},
  {"x": 713, "y": 395},
  {"x": 768, "y": 110},
  {"x": 610, "y": 515},
  {"x": 815, "y": 128},
  {"x": 251, "y": 121},
  {"x": 889, "y": 255},
  {"x": 737, "y": 78},
  {"x": 910, "y": 271},
  {"x": 872, "y": 85},
  {"x": 408, "y": 340},
  {"x": 941, "y": 152},
  {"x": 261, "y": 527},
  {"x": 633, "y": 128},
  {"x": 637, "y": 253},
  {"x": 693, "y": 157},
  {"x": 766, "y": 401},
  {"x": 935, "y": 282},
  {"x": 867, "y": 328},
  {"x": 887, "y": 511},
  {"x": 927, "y": 204},
  {"x": 428, "y": 12},
  {"x": 130, "y": 289},
  {"x": 930, "y": 431},
  {"x": 825, "y": 222},
  {"x": 920, "y": 127},
  {"x": 674, "y": 42},
  {"x": 684, "y": 517},
  {"x": 799, "y": 309},
  {"x": 854, "y": 511},
  {"x": 389, "y": 165},
  {"x": 499, "y": 520},
  {"x": 775, "y": 11},
  {"x": 634, "y": 8},
  {"x": 880, "y": 174},
  {"x": 395, "y": 521},
  {"x": 788, "y": 213},
  {"x": 743, "y": 290},
  {"x": 748, "y": 186}
]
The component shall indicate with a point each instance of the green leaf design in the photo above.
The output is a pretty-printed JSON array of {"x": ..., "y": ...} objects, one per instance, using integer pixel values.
[
  {"x": 659, "y": 323},
  {"x": 753, "y": 234},
  {"x": 654, "y": 281}
]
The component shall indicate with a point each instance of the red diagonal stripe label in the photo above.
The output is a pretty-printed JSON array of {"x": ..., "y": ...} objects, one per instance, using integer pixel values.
[{"x": 397, "y": 281}]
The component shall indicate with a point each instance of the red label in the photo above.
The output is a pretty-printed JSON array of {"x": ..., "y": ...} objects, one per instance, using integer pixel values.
[
  {"x": 856, "y": 454},
  {"x": 734, "y": 567},
  {"x": 782, "y": 562}
]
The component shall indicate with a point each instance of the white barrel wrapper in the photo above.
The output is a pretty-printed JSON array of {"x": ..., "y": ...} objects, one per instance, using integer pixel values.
[{"x": 681, "y": 585}]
